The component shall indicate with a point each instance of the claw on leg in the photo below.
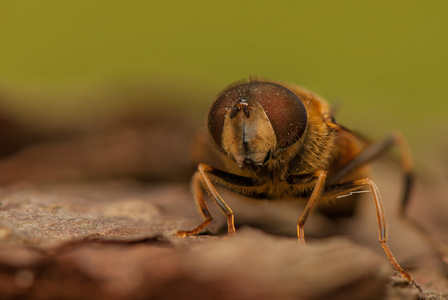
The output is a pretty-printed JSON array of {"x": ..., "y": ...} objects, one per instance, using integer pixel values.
[{"x": 301, "y": 235}]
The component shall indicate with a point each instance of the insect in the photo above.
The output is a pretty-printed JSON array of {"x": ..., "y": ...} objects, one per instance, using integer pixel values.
[{"x": 279, "y": 140}]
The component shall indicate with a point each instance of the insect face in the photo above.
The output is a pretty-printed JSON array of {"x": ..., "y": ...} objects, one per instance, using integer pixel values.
[
  {"x": 248, "y": 136},
  {"x": 255, "y": 121}
]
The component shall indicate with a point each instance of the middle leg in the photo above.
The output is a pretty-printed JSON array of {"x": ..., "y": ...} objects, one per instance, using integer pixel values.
[{"x": 355, "y": 185}]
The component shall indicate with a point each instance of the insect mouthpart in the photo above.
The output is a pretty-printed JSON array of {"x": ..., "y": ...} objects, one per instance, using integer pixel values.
[
  {"x": 250, "y": 164},
  {"x": 252, "y": 160}
]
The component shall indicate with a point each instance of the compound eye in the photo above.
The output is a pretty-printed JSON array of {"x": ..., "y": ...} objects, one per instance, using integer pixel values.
[
  {"x": 216, "y": 116},
  {"x": 284, "y": 109}
]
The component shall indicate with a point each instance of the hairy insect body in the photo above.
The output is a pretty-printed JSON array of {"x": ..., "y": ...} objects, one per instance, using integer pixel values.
[
  {"x": 275, "y": 140},
  {"x": 253, "y": 138}
]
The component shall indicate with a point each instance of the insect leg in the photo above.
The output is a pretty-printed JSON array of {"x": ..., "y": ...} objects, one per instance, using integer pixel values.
[
  {"x": 312, "y": 203},
  {"x": 378, "y": 149},
  {"x": 201, "y": 179},
  {"x": 198, "y": 194},
  {"x": 439, "y": 247},
  {"x": 350, "y": 186},
  {"x": 203, "y": 169}
]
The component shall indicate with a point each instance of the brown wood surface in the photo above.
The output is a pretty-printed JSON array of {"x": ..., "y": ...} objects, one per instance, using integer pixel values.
[{"x": 75, "y": 223}]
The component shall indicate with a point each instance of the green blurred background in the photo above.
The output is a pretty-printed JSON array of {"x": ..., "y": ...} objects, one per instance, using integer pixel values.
[{"x": 384, "y": 62}]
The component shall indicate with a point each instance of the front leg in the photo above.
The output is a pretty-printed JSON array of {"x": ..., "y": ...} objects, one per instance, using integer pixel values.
[
  {"x": 198, "y": 194},
  {"x": 320, "y": 177},
  {"x": 201, "y": 180}
]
